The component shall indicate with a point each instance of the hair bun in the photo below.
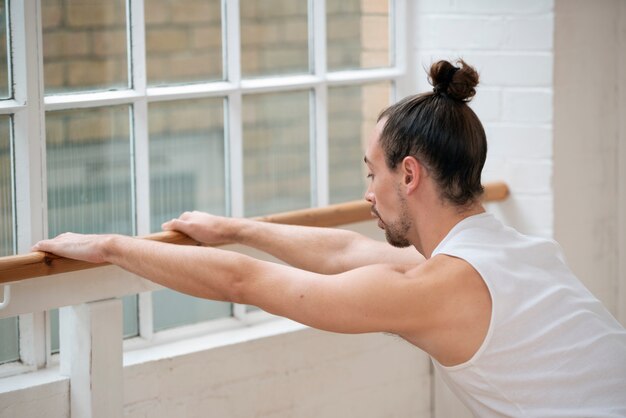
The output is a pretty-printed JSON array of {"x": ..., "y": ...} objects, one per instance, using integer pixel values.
[{"x": 458, "y": 83}]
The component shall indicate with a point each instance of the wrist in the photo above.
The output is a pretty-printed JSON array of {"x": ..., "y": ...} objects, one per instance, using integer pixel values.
[
  {"x": 239, "y": 230},
  {"x": 109, "y": 247}
]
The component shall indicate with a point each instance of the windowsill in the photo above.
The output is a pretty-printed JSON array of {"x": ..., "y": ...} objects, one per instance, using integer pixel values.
[
  {"x": 31, "y": 379},
  {"x": 166, "y": 345}
]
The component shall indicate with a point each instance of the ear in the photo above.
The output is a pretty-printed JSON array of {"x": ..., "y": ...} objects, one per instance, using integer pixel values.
[{"x": 411, "y": 172}]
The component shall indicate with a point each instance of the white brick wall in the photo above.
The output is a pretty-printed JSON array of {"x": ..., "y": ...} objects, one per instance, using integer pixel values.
[
  {"x": 488, "y": 32},
  {"x": 526, "y": 105},
  {"x": 511, "y": 45}
]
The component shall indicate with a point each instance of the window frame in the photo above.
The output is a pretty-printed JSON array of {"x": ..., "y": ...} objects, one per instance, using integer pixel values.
[{"x": 32, "y": 298}]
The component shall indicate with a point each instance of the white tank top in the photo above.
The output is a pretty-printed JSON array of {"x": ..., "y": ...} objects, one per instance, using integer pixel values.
[{"x": 552, "y": 349}]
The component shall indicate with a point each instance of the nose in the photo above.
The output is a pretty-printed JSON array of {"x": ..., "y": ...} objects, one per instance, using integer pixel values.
[{"x": 369, "y": 196}]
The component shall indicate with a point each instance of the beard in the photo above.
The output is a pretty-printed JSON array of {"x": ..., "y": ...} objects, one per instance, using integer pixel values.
[
  {"x": 396, "y": 238},
  {"x": 396, "y": 232}
]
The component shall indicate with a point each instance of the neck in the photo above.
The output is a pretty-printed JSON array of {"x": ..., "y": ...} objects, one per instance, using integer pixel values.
[{"x": 433, "y": 224}]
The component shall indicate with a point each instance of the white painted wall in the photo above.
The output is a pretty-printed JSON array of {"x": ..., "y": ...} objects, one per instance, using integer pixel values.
[
  {"x": 306, "y": 373},
  {"x": 589, "y": 142}
]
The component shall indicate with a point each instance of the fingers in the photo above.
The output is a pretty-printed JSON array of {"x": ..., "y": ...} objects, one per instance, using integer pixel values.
[
  {"x": 38, "y": 246},
  {"x": 47, "y": 246},
  {"x": 76, "y": 246},
  {"x": 183, "y": 222},
  {"x": 174, "y": 225}
]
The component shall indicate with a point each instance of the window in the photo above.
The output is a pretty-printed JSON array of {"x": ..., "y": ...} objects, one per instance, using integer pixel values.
[{"x": 130, "y": 112}]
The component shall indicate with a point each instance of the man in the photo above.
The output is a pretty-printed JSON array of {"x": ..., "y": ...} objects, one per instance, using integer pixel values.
[{"x": 510, "y": 328}]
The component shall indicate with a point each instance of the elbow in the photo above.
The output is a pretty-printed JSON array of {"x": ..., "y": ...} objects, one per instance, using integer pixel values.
[{"x": 237, "y": 290}]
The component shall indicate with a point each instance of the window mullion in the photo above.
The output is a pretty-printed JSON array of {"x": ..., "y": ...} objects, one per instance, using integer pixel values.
[
  {"x": 233, "y": 122},
  {"x": 233, "y": 118},
  {"x": 318, "y": 36},
  {"x": 28, "y": 125},
  {"x": 193, "y": 91},
  {"x": 96, "y": 99},
  {"x": 140, "y": 144},
  {"x": 137, "y": 47},
  {"x": 320, "y": 146},
  {"x": 320, "y": 103},
  {"x": 362, "y": 76},
  {"x": 280, "y": 83},
  {"x": 29, "y": 170},
  {"x": 137, "y": 53},
  {"x": 141, "y": 196},
  {"x": 402, "y": 47}
]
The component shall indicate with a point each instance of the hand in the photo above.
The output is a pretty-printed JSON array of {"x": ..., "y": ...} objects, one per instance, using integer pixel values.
[
  {"x": 88, "y": 248},
  {"x": 203, "y": 227}
]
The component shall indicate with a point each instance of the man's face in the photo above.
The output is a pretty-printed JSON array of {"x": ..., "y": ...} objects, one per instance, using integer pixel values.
[{"x": 384, "y": 192}]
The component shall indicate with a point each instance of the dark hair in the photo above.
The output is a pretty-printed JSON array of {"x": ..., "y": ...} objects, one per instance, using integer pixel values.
[{"x": 440, "y": 130}]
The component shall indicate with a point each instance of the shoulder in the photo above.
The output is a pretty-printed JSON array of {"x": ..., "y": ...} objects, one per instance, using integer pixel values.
[
  {"x": 447, "y": 274},
  {"x": 459, "y": 309}
]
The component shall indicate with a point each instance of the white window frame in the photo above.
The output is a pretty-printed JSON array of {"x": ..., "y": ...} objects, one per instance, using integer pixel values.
[{"x": 32, "y": 298}]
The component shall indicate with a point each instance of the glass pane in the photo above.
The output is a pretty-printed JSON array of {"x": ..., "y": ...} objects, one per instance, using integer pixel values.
[
  {"x": 9, "y": 340},
  {"x": 54, "y": 331},
  {"x": 84, "y": 45},
  {"x": 187, "y": 172},
  {"x": 352, "y": 114},
  {"x": 130, "y": 316},
  {"x": 4, "y": 59},
  {"x": 89, "y": 178},
  {"x": 357, "y": 33},
  {"x": 276, "y": 155},
  {"x": 173, "y": 309},
  {"x": 7, "y": 224},
  {"x": 9, "y": 349},
  {"x": 187, "y": 169},
  {"x": 183, "y": 41},
  {"x": 89, "y": 171},
  {"x": 274, "y": 37}
]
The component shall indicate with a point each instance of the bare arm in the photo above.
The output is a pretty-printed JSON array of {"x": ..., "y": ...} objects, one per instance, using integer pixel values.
[
  {"x": 208, "y": 273},
  {"x": 442, "y": 306},
  {"x": 361, "y": 300},
  {"x": 321, "y": 250}
]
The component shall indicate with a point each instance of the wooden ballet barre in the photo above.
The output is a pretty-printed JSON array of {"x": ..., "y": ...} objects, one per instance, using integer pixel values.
[{"x": 27, "y": 266}]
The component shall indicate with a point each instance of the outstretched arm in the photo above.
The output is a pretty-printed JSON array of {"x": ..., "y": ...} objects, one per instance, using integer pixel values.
[
  {"x": 362, "y": 300},
  {"x": 321, "y": 250},
  {"x": 442, "y": 306},
  {"x": 203, "y": 272}
]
